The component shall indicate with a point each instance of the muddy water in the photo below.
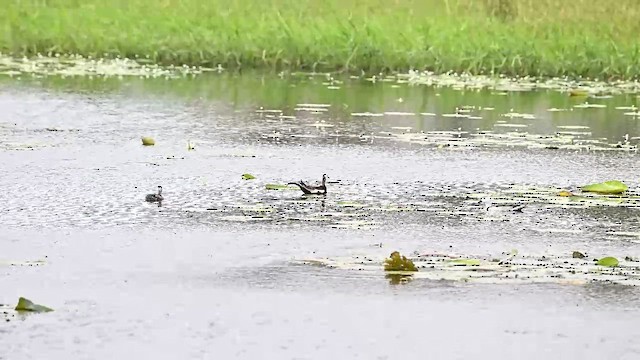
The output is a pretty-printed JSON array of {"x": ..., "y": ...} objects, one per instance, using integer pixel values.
[{"x": 218, "y": 270}]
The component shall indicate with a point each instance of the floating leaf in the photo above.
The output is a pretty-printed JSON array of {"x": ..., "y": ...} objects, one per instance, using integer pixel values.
[
  {"x": 148, "y": 141},
  {"x": 248, "y": 177},
  {"x": 465, "y": 262},
  {"x": 276, "y": 187},
  {"x": 607, "y": 187},
  {"x": 28, "y": 305},
  {"x": 577, "y": 255},
  {"x": 397, "y": 262},
  {"x": 565, "y": 193},
  {"x": 578, "y": 92},
  {"x": 608, "y": 261}
]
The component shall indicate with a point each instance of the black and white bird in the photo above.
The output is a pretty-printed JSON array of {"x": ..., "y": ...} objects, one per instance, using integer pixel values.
[
  {"x": 155, "y": 197},
  {"x": 312, "y": 189}
]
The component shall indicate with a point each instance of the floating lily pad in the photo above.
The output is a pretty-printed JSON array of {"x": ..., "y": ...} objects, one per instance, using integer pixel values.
[
  {"x": 607, "y": 187},
  {"x": 465, "y": 262},
  {"x": 397, "y": 262},
  {"x": 148, "y": 141},
  {"x": 277, "y": 187},
  {"x": 608, "y": 262},
  {"x": 28, "y": 305},
  {"x": 248, "y": 177},
  {"x": 578, "y": 92}
]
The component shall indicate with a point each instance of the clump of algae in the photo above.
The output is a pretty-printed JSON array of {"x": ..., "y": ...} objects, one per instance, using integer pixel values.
[{"x": 397, "y": 262}]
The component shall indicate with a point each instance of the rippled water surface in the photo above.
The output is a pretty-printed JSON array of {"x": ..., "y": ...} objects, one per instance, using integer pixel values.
[{"x": 226, "y": 268}]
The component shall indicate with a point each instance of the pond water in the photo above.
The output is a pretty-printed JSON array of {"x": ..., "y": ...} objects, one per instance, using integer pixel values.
[{"x": 226, "y": 268}]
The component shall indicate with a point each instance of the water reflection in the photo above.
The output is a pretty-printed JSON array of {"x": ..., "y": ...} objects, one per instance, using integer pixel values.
[
  {"x": 431, "y": 106},
  {"x": 606, "y": 295},
  {"x": 397, "y": 279}
]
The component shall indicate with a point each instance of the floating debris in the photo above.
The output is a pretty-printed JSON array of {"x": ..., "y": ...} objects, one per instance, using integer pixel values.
[
  {"x": 367, "y": 114},
  {"x": 148, "y": 141},
  {"x": 513, "y": 268},
  {"x": 28, "y": 305},
  {"x": 502, "y": 85},
  {"x": 589, "y": 106},
  {"x": 76, "y": 65},
  {"x": 519, "y": 115},
  {"x": 399, "y": 113}
]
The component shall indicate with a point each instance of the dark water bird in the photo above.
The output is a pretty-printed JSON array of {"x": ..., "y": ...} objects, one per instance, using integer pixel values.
[
  {"x": 491, "y": 207},
  {"x": 155, "y": 197},
  {"x": 310, "y": 189}
]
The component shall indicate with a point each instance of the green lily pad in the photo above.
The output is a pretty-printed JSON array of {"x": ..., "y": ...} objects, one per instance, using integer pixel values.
[
  {"x": 397, "y": 262},
  {"x": 28, "y": 305},
  {"x": 578, "y": 93},
  {"x": 607, "y": 187},
  {"x": 608, "y": 261},
  {"x": 148, "y": 141},
  {"x": 465, "y": 262},
  {"x": 276, "y": 187},
  {"x": 248, "y": 177}
]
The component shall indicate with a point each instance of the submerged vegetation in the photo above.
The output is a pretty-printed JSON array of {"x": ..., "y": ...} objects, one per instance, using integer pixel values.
[{"x": 586, "y": 38}]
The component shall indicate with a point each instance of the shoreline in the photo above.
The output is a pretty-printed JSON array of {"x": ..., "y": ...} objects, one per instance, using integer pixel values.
[{"x": 351, "y": 36}]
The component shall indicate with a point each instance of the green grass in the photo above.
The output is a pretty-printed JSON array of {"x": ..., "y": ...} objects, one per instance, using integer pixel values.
[{"x": 586, "y": 38}]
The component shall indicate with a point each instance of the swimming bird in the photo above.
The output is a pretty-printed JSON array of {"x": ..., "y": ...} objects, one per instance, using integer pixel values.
[
  {"x": 155, "y": 197},
  {"x": 491, "y": 207},
  {"x": 312, "y": 189}
]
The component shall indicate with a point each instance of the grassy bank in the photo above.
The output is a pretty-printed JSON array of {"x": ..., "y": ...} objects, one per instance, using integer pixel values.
[{"x": 588, "y": 38}]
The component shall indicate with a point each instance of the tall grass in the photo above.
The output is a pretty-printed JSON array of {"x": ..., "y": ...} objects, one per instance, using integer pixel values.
[{"x": 587, "y": 38}]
